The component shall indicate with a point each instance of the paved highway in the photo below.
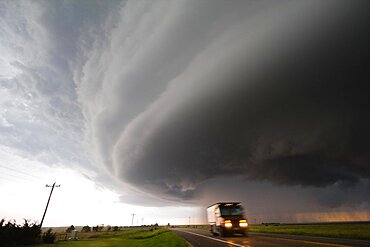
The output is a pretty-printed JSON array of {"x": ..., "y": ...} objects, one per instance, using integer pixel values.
[{"x": 201, "y": 238}]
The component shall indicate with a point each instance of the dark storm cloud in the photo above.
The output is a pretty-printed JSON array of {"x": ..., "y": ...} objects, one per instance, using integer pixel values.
[
  {"x": 288, "y": 105},
  {"x": 173, "y": 97},
  {"x": 338, "y": 195},
  {"x": 263, "y": 102}
]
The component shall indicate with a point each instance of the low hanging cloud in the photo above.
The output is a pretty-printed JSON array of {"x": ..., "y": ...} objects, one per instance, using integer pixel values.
[
  {"x": 269, "y": 91},
  {"x": 171, "y": 96}
]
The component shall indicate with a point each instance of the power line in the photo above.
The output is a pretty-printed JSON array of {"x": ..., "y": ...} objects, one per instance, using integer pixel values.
[
  {"x": 21, "y": 172},
  {"x": 6, "y": 178},
  {"x": 19, "y": 177}
]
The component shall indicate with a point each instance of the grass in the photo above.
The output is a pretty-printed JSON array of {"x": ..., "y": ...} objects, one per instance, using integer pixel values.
[
  {"x": 130, "y": 237},
  {"x": 199, "y": 227},
  {"x": 334, "y": 230}
]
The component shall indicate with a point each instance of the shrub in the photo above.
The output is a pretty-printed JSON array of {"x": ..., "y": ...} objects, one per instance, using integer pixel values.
[
  {"x": 48, "y": 237},
  {"x": 12, "y": 234},
  {"x": 86, "y": 229},
  {"x": 70, "y": 229}
]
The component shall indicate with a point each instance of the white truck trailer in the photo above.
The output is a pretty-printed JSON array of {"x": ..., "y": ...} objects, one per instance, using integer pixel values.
[{"x": 227, "y": 218}]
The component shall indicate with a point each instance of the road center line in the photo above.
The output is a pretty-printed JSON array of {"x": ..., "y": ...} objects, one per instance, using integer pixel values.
[{"x": 216, "y": 239}]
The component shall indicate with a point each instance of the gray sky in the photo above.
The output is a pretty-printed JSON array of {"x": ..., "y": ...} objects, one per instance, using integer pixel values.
[{"x": 192, "y": 102}]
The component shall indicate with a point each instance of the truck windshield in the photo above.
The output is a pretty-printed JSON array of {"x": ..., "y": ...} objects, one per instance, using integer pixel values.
[{"x": 231, "y": 210}]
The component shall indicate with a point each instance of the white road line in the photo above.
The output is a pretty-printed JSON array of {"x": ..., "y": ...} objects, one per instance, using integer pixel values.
[{"x": 216, "y": 239}]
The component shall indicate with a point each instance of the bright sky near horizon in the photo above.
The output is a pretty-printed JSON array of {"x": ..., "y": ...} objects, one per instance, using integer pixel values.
[
  {"x": 160, "y": 108},
  {"x": 79, "y": 201}
]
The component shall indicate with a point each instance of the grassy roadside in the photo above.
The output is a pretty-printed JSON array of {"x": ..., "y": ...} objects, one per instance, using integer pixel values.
[
  {"x": 337, "y": 230},
  {"x": 132, "y": 237}
]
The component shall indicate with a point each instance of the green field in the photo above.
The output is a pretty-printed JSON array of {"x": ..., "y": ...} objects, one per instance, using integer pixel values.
[
  {"x": 131, "y": 237},
  {"x": 335, "y": 230},
  {"x": 164, "y": 237}
]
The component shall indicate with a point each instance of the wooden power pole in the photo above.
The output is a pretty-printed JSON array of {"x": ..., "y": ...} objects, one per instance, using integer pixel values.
[
  {"x": 133, "y": 215},
  {"x": 47, "y": 204}
]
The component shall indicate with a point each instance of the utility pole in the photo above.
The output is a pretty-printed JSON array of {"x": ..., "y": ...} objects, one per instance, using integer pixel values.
[
  {"x": 133, "y": 215},
  {"x": 189, "y": 221},
  {"x": 47, "y": 204},
  {"x": 142, "y": 221}
]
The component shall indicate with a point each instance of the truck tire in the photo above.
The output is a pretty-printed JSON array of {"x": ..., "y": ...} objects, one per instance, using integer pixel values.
[{"x": 212, "y": 230}]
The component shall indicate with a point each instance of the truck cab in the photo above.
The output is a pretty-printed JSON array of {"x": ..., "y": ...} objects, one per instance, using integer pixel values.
[{"x": 227, "y": 218}]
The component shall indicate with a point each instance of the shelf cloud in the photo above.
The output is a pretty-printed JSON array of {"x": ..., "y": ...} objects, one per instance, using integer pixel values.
[
  {"x": 170, "y": 96},
  {"x": 277, "y": 95}
]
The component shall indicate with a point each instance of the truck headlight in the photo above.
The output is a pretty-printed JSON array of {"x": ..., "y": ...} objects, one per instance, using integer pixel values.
[
  {"x": 228, "y": 223},
  {"x": 243, "y": 223}
]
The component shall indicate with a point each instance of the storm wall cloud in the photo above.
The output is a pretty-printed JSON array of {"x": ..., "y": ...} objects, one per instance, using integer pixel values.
[
  {"x": 171, "y": 97},
  {"x": 279, "y": 95}
]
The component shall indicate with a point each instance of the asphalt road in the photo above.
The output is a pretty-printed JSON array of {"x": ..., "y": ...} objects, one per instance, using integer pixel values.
[{"x": 201, "y": 238}]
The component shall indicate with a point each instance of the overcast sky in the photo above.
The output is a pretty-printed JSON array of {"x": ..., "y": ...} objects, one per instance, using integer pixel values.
[{"x": 161, "y": 108}]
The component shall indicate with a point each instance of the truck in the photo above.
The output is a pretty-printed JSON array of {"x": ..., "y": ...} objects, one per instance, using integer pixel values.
[{"x": 227, "y": 218}]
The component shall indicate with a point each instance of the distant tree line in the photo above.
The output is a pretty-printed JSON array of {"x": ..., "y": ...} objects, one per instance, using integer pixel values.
[{"x": 100, "y": 228}]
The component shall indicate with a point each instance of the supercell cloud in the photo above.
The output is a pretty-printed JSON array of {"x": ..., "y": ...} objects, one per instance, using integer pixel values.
[
  {"x": 271, "y": 92},
  {"x": 170, "y": 96}
]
